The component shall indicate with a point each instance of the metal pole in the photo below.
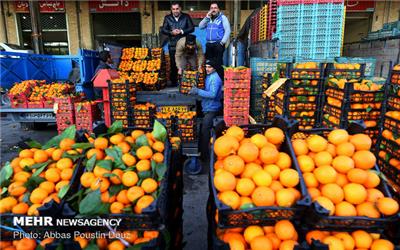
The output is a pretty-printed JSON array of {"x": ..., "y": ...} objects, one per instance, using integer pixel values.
[
  {"x": 236, "y": 11},
  {"x": 36, "y": 28}
]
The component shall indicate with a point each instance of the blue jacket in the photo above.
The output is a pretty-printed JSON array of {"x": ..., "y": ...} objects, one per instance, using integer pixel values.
[
  {"x": 212, "y": 93},
  {"x": 217, "y": 30}
]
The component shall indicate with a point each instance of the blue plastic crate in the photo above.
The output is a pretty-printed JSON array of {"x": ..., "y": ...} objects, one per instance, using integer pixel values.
[
  {"x": 259, "y": 66},
  {"x": 370, "y": 63}
]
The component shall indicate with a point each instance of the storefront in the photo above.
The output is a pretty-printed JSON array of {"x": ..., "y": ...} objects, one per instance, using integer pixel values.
[{"x": 359, "y": 15}]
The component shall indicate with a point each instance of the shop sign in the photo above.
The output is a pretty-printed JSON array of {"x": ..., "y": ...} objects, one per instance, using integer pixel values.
[
  {"x": 113, "y": 6},
  {"x": 176, "y": 109},
  {"x": 197, "y": 14},
  {"x": 360, "y": 6},
  {"x": 44, "y": 6}
]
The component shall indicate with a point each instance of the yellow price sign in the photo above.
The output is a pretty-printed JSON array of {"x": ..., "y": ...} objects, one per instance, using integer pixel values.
[{"x": 176, "y": 109}]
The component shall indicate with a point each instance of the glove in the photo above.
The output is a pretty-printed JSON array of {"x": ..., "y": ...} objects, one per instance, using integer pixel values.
[{"x": 194, "y": 91}]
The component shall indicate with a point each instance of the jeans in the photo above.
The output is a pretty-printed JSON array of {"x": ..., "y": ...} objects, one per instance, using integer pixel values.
[
  {"x": 205, "y": 135},
  {"x": 215, "y": 52},
  {"x": 174, "y": 70}
]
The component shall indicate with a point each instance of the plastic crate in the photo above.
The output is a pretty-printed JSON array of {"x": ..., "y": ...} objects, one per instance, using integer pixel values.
[
  {"x": 293, "y": 2},
  {"x": 228, "y": 218},
  {"x": 370, "y": 63},
  {"x": 260, "y": 66},
  {"x": 232, "y": 75}
]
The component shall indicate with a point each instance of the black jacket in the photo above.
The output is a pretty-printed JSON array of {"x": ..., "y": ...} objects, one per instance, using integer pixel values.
[
  {"x": 184, "y": 23},
  {"x": 102, "y": 65}
]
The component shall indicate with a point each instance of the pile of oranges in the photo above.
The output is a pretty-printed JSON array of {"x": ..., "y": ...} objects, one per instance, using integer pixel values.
[
  {"x": 150, "y": 78},
  {"x": 26, "y": 192},
  {"x": 153, "y": 65},
  {"x": 127, "y": 53},
  {"x": 141, "y": 53},
  {"x": 139, "y": 65},
  {"x": 23, "y": 87},
  {"x": 252, "y": 172},
  {"x": 282, "y": 236},
  {"x": 125, "y": 65},
  {"x": 339, "y": 174},
  {"x": 138, "y": 185},
  {"x": 363, "y": 85},
  {"x": 48, "y": 91},
  {"x": 24, "y": 243},
  {"x": 355, "y": 240}
]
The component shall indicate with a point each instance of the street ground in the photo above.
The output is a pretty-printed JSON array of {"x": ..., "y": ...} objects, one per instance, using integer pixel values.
[{"x": 195, "y": 191}]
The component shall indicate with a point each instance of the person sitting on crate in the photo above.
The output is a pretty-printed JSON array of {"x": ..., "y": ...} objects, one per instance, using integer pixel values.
[
  {"x": 211, "y": 105},
  {"x": 188, "y": 49}
]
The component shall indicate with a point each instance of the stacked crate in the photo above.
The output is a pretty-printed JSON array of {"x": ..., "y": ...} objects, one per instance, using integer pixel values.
[
  {"x": 186, "y": 124},
  {"x": 271, "y": 18},
  {"x": 189, "y": 80},
  {"x": 86, "y": 113},
  {"x": 144, "y": 115},
  {"x": 300, "y": 97},
  {"x": 255, "y": 28},
  {"x": 236, "y": 96},
  {"x": 263, "y": 24},
  {"x": 268, "y": 101},
  {"x": 122, "y": 98},
  {"x": 65, "y": 115},
  {"x": 310, "y": 29}
]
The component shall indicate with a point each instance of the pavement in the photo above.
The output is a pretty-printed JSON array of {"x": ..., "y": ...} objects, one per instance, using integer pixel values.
[{"x": 195, "y": 191}]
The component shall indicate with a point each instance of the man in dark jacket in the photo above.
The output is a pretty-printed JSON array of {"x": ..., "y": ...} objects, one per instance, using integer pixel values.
[
  {"x": 176, "y": 25},
  {"x": 105, "y": 63}
]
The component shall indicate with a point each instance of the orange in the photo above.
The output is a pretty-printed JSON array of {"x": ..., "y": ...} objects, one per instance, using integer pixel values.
[
  {"x": 15, "y": 162},
  {"x": 158, "y": 157},
  {"x": 346, "y": 149},
  {"x": 345, "y": 208},
  {"x": 382, "y": 244},
  {"x": 100, "y": 183},
  {"x": 226, "y": 145},
  {"x": 326, "y": 203},
  {"x": 51, "y": 197},
  {"x": 130, "y": 178},
  {"x": 252, "y": 232},
  {"x": 235, "y": 244},
  {"x": 275, "y": 135},
  {"x": 116, "y": 207},
  {"x": 16, "y": 189},
  {"x": 131, "y": 236},
  {"x": 26, "y": 162},
  {"x": 149, "y": 185},
  {"x": 300, "y": 147},
  {"x": 125, "y": 147},
  {"x": 218, "y": 164},
  {"x": 364, "y": 159},
  {"x": 357, "y": 175},
  {"x": 387, "y": 206},
  {"x": 234, "y": 164},
  {"x": 115, "y": 139},
  {"x": 372, "y": 181},
  {"x": 40, "y": 156},
  {"x": 64, "y": 163},
  {"x": 26, "y": 153},
  {"x": 52, "y": 174},
  {"x": 285, "y": 230},
  {"x": 362, "y": 239},
  {"x": 224, "y": 181},
  {"x": 105, "y": 197},
  {"x": 87, "y": 179},
  {"x": 33, "y": 210},
  {"x": 250, "y": 169},
  {"x": 343, "y": 164},
  {"x": 230, "y": 198},
  {"x": 128, "y": 159},
  {"x": 60, "y": 184},
  {"x": 38, "y": 195},
  {"x": 285, "y": 198},
  {"x": 150, "y": 234},
  {"x": 361, "y": 141},
  {"x": 136, "y": 133},
  {"x": 158, "y": 146},
  {"x": 26, "y": 244},
  {"x": 263, "y": 196},
  {"x": 100, "y": 171},
  {"x": 116, "y": 179},
  {"x": 122, "y": 197},
  {"x": 66, "y": 174},
  {"x": 275, "y": 186},
  {"x": 348, "y": 241},
  {"x": 368, "y": 209},
  {"x": 338, "y": 136},
  {"x": 288, "y": 245},
  {"x": 236, "y": 132},
  {"x": 306, "y": 163},
  {"x": 228, "y": 236},
  {"x": 310, "y": 180},
  {"x": 284, "y": 161},
  {"x": 245, "y": 186},
  {"x": 94, "y": 151},
  {"x": 248, "y": 152},
  {"x": 144, "y": 153},
  {"x": 316, "y": 143},
  {"x": 334, "y": 243},
  {"x": 259, "y": 140},
  {"x": 262, "y": 178},
  {"x": 323, "y": 158},
  {"x": 245, "y": 200},
  {"x": 315, "y": 235},
  {"x": 269, "y": 155},
  {"x": 341, "y": 180},
  {"x": 325, "y": 174},
  {"x": 273, "y": 170},
  {"x": 355, "y": 193},
  {"x": 57, "y": 154},
  {"x": 134, "y": 193},
  {"x": 314, "y": 193},
  {"x": 46, "y": 241},
  {"x": 333, "y": 192},
  {"x": 245, "y": 140},
  {"x": 48, "y": 186},
  {"x": 66, "y": 144},
  {"x": 289, "y": 178},
  {"x": 261, "y": 243},
  {"x": 101, "y": 143},
  {"x": 274, "y": 239},
  {"x": 7, "y": 203},
  {"x": 143, "y": 202},
  {"x": 20, "y": 208},
  {"x": 143, "y": 165},
  {"x": 374, "y": 194}
]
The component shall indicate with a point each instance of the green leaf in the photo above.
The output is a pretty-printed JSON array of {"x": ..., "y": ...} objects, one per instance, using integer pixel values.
[
  {"x": 116, "y": 127},
  {"x": 116, "y": 154},
  {"x": 144, "y": 174},
  {"x": 159, "y": 131},
  {"x": 3, "y": 190},
  {"x": 69, "y": 133},
  {"x": 92, "y": 246},
  {"x": 63, "y": 191},
  {"x": 78, "y": 108},
  {"x": 60, "y": 247},
  {"x": 39, "y": 247},
  {"x": 41, "y": 168},
  {"x": 83, "y": 145},
  {"x": 368, "y": 109},
  {"x": 90, "y": 163},
  {"x": 39, "y": 165},
  {"x": 246, "y": 206},
  {"x": 106, "y": 164},
  {"x": 92, "y": 205},
  {"x": 33, "y": 144},
  {"x": 110, "y": 175},
  {"x": 33, "y": 182},
  {"x": 5, "y": 173},
  {"x": 142, "y": 141},
  {"x": 72, "y": 157},
  {"x": 115, "y": 189},
  {"x": 75, "y": 195},
  {"x": 161, "y": 168},
  {"x": 55, "y": 141}
]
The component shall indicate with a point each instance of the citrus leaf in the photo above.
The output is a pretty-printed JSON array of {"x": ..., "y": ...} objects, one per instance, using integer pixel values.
[
  {"x": 247, "y": 206},
  {"x": 39, "y": 165},
  {"x": 69, "y": 133},
  {"x": 115, "y": 189},
  {"x": 92, "y": 205},
  {"x": 83, "y": 145},
  {"x": 106, "y": 164},
  {"x": 33, "y": 182},
  {"x": 90, "y": 163},
  {"x": 3, "y": 190},
  {"x": 144, "y": 174},
  {"x": 111, "y": 175},
  {"x": 142, "y": 141},
  {"x": 159, "y": 131},
  {"x": 92, "y": 246},
  {"x": 39, "y": 247},
  {"x": 26, "y": 196},
  {"x": 5, "y": 173},
  {"x": 33, "y": 144},
  {"x": 63, "y": 191},
  {"x": 70, "y": 156},
  {"x": 116, "y": 127},
  {"x": 41, "y": 168},
  {"x": 161, "y": 168}
]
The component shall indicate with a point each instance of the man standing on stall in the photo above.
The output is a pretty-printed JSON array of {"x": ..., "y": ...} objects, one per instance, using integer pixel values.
[
  {"x": 188, "y": 49},
  {"x": 211, "y": 105},
  {"x": 176, "y": 25},
  {"x": 218, "y": 31}
]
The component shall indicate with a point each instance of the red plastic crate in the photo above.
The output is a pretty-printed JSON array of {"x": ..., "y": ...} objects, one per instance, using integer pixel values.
[
  {"x": 243, "y": 74},
  {"x": 230, "y": 121},
  {"x": 67, "y": 103},
  {"x": 35, "y": 105},
  {"x": 293, "y": 2},
  {"x": 48, "y": 104}
]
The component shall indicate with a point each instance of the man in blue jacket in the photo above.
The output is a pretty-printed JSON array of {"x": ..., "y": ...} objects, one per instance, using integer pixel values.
[
  {"x": 218, "y": 31},
  {"x": 211, "y": 104}
]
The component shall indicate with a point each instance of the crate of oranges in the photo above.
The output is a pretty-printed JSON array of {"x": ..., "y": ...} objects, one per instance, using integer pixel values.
[
  {"x": 189, "y": 80},
  {"x": 122, "y": 98},
  {"x": 343, "y": 180},
  {"x": 168, "y": 119},
  {"x": 346, "y": 70},
  {"x": 86, "y": 113},
  {"x": 245, "y": 193},
  {"x": 144, "y": 115},
  {"x": 186, "y": 124}
]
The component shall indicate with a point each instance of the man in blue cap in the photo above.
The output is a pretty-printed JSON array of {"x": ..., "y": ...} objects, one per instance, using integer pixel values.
[{"x": 211, "y": 104}]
